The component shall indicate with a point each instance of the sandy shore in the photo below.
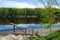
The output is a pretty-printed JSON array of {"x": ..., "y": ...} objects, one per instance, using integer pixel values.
[{"x": 42, "y": 32}]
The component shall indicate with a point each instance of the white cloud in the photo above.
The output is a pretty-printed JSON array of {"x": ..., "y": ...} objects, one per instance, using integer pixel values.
[
  {"x": 14, "y": 4},
  {"x": 22, "y": 25},
  {"x": 55, "y": 6},
  {"x": 5, "y": 3}
]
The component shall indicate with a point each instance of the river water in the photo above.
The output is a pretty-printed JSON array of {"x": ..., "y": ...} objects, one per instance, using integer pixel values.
[{"x": 28, "y": 26}]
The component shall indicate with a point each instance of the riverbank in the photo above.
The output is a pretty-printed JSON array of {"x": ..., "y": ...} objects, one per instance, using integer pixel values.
[{"x": 41, "y": 32}]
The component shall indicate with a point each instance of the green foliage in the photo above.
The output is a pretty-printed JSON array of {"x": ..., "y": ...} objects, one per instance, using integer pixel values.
[
  {"x": 48, "y": 26},
  {"x": 38, "y": 38},
  {"x": 37, "y": 15},
  {"x": 53, "y": 35},
  {"x": 56, "y": 38}
]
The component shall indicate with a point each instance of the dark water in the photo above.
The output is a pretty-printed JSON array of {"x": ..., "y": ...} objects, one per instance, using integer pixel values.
[{"x": 23, "y": 26}]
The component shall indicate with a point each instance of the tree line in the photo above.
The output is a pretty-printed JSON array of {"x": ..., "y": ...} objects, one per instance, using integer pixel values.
[{"x": 29, "y": 15}]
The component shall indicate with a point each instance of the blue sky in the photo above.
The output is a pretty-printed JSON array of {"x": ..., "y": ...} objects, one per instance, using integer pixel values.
[{"x": 24, "y": 3}]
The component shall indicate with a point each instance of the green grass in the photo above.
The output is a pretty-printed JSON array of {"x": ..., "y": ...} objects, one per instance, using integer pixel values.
[
  {"x": 53, "y": 35},
  {"x": 38, "y": 38}
]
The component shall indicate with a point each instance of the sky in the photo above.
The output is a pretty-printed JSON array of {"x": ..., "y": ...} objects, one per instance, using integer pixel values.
[{"x": 24, "y": 3}]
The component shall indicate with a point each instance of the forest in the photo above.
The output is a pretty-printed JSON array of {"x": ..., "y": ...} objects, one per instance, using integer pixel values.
[{"x": 29, "y": 15}]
